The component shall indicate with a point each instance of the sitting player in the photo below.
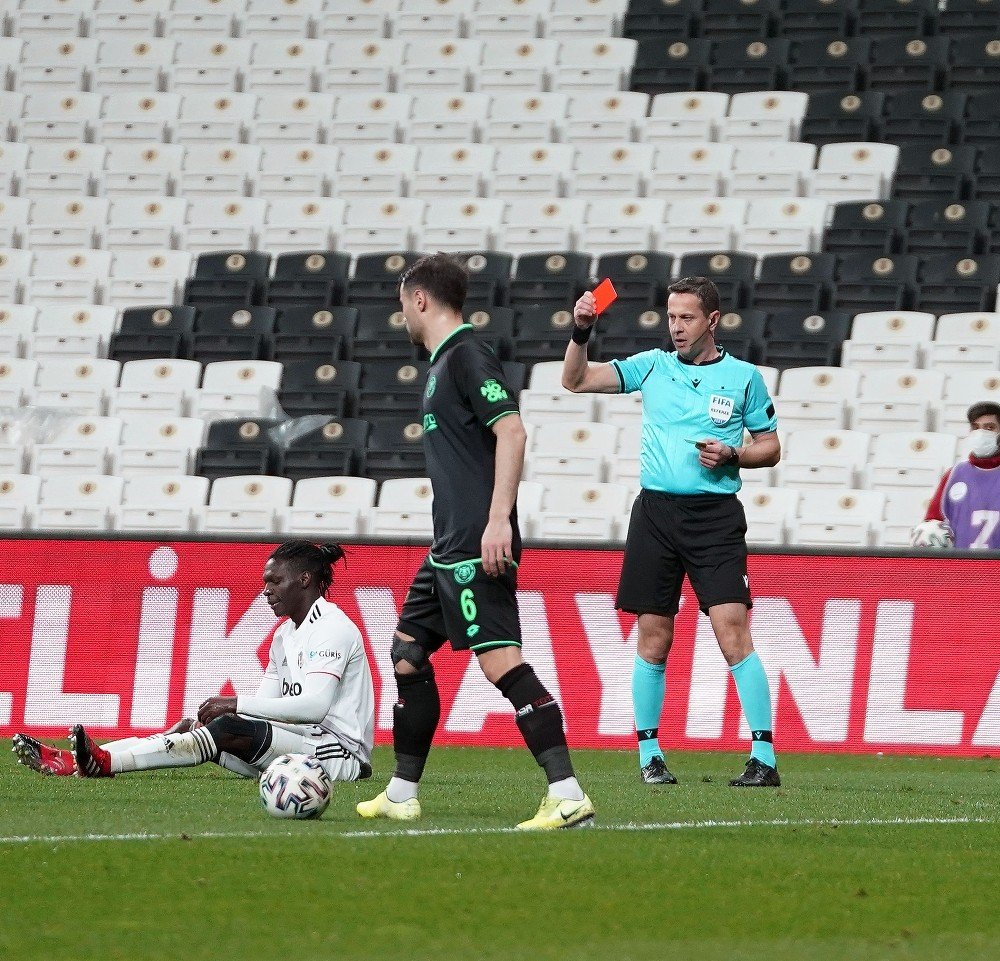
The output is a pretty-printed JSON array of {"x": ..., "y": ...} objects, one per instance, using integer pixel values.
[{"x": 316, "y": 696}]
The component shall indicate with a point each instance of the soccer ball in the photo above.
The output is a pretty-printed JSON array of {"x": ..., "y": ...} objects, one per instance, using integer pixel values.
[
  {"x": 934, "y": 534},
  {"x": 295, "y": 786}
]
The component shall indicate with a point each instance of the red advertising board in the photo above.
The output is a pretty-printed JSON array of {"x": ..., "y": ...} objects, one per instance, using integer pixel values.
[{"x": 864, "y": 654}]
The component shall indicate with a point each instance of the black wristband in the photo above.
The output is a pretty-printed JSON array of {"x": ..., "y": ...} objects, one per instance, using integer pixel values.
[
  {"x": 581, "y": 334},
  {"x": 734, "y": 456}
]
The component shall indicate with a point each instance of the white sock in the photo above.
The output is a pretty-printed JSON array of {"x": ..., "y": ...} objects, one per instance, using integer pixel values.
[
  {"x": 400, "y": 790},
  {"x": 238, "y": 766},
  {"x": 121, "y": 745},
  {"x": 165, "y": 750},
  {"x": 568, "y": 789}
]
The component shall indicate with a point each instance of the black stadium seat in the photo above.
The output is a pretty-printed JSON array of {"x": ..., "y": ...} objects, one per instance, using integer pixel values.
[
  {"x": 740, "y": 66},
  {"x": 326, "y": 388},
  {"x": 489, "y": 277},
  {"x": 949, "y": 284},
  {"x": 866, "y": 283},
  {"x": 665, "y": 64},
  {"x": 981, "y": 125},
  {"x": 732, "y": 272},
  {"x": 909, "y": 62},
  {"x": 316, "y": 278},
  {"x": 640, "y": 278},
  {"x": 986, "y": 180},
  {"x": 654, "y": 19},
  {"x": 874, "y": 227},
  {"x": 929, "y": 172},
  {"x": 807, "y": 19},
  {"x": 968, "y": 18},
  {"x": 818, "y": 66},
  {"x": 334, "y": 450},
  {"x": 310, "y": 333},
  {"x": 542, "y": 334},
  {"x": 553, "y": 280},
  {"x": 742, "y": 333},
  {"x": 894, "y": 18},
  {"x": 376, "y": 278},
  {"x": 737, "y": 19},
  {"x": 842, "y": 118},
  {"x": 238, "y": 446},
  {"x": 626, "y": 330},
  {"x": 391, "y": 389},
  {"x": 794, "y": 281},
  {"x": 235, "y": 278},
  {"x": 221, "y": 333},
  {"x": 147, "y": 333},
  {"x": 494, "y": 326},
  {"x": 938, "y": 227},
  {"x": 803, "y": 339},
  {"x": 975, "y": 63},
  {"x": 395, "y": 448},
  {"x": 381, "y": 335},
  {"x": 914, "y": 116}
]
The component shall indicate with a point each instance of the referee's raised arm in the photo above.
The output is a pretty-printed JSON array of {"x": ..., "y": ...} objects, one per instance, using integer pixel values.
[{"x": 579, "y": 375}]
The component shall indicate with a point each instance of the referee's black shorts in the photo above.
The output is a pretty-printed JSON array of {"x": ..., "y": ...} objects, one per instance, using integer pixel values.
[{"x": 669, "y": 535}]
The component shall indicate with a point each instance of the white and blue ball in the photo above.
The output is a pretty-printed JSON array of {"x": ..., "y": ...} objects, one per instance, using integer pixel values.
[
  {"x": 295, "y": 786},
  {"x": 933, "y": 534}
]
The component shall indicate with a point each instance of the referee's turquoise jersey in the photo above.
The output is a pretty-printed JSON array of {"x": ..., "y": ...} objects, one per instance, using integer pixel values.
[{"x": 683, "y": 403}]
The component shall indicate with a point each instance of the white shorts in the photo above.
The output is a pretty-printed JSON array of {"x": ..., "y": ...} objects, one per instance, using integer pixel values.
[{"x": 308, "y": 739}]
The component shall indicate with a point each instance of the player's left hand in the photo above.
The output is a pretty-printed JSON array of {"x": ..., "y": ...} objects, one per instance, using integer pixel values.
[
  {"x": 214, "y": 707},
  {"x": 713, "y": 453},
  {"x": 497, "y": 546}
]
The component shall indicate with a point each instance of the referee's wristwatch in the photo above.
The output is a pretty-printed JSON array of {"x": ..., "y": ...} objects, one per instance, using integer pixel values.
[{"x": 733, "y": 458}]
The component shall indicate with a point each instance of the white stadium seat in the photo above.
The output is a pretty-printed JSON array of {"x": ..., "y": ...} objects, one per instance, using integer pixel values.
[
  {"x": 66, "y": 331},
  {"x": 79, "y": 386},
  {"x": 887, "y": 338},
  {"x": 78, "y": 445},
  {"x": 824, "y": 458},
  {"x": 579, "y": 510},
  {"x": 403, "y": 510},
  {"x": 160, "y": 502},
  {"x": 18, "y": 500},
  {"x": 769, "y": 512},
  {"x": 162, "y": 387},
  {"x": 76, "y": 501},
  {"x": 838, "y": 518},
  {"x": 154, "y": 444},
  {"x": 232, "y": 388},
  {"x": 330, "y": 506},
  {"x": 247, "y": 504}
]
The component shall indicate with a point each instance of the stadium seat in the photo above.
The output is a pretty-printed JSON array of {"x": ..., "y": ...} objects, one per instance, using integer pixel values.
[
  {"x": 233, "y": 388},
  {"x": 142, "y": 277},
  {"x": 447, "y": 118},
  {"x": 959, "y": 394},
  {"x": 592, "y": 65},
  {"x": 457, "y": 226},
  {"x": 864, "y": 280},
  {"x": 535, "y": 226},
  {"x": 796, "y": 338},
  {"x": 449, "y": 64},
  {"x": 156, "y": 444},
  {"x": 887, "y": 338},
  {"x": 494, "y": 326},
  {"x": 965, "y": 344},
  {"x": 664, "y": 64},
  {"x": 141, "y": 221},
  {"x": 312, "y": 225},
  {"x": 824, "y": 458},
  {"x": 610, "y": 171},
  {"x": 78, "y": 502},
  {"x": 819, "y": 65},
  {"x": 854, "y": 171},
  {"x": 376, "y": 278},
  {"x": 915, "y": 116},
  {"x": 777, "y": 225},
  {"x": 981, "y": 124},
  {"x": 379, "y": 118},
  {"x": 903, "y": 460},
  {"x": 678, "y": 117},
  {"x": 308, "y": 387},
  {"x": 308, "y": 333},
  {"x": 235, "y": 279},
  {"x": 64, "y": 331},
  {"x": 246, "y": 504},
  {"x": 542, "y": 334},
  {"x": 77, "y": 445},
  {"x": 290, "y": 117},
  {"x": 134, "y": 117},
  {"x": 906, "y": 62},
  {"x": 838, "y": 518},
  {"x": 939, "y": 227},
  {"x": 334, "y": 449},
  {"x": 747, "y": 66},
  {"x": 874, "y": 228},
  {"x": 18, "y": 500},
  {"x": 950, "y": 284},
  {"x": 163, "y": 386},
  {"x": 149, "y": 333},
  {"x": 904, "y": 509},
  {"x": 741, "y": 333},
  {"x": 580, "y": 510},
  {"x": 17, "y": 327},
  {"x": 553, "y": 280},
  {"x": 640, "y": 278},
  {"x": 489, "y": 278},
  {"x": 613, "y": 119},
  {"x": 975, "y": 64},
  {"x": 146, "y": 170},
  {"x": 316, "y": 279},
  {"x": 769, "y": 513},
  {"x": 939, "y": 173},
  {"x": 80, "y": 386},
  {"x": 651, "y": 18},
  {"x": 222, "y": 333},
  {"x": 794, "y": 282},
  {"x": 898, "y": 400},
  {"x": 694, "y": 226},
  {"x": 816, "y": 397},
  {"x": 769, "y": 169},
  {"x": 238, "y": 446},
  {"x": 395, "y": 449},
  {"x": 291, "y": 169},
  {"x": 381, "y": 335},
  {"x": 391, "y": 389},
  {"x": 571, "y": 451},
  {"x": 404, "y": 509},
  {"x": 330, "y": 506},
  {"x": 691, "y": 170},
  {"x": 159, "y": 502}
]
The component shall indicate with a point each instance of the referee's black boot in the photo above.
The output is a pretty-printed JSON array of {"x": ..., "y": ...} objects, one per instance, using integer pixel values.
[
  {"x": 656, "y": 772},
  {"x": 757, "y": 774}
]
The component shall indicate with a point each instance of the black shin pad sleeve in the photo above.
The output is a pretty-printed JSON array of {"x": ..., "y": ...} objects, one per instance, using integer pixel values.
[
  {"x": 415, "y": 718},
  {"x": 539, "y": 719}
]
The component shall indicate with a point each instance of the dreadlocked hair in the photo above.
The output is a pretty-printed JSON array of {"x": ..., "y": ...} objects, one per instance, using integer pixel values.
[{"x": 317, "y": 559}]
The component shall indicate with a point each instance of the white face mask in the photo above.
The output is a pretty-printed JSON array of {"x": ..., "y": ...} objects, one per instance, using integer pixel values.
[{"x": 982, "y": 443}]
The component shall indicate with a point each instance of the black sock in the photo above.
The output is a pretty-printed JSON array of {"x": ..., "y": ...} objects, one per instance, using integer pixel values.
[
  {"x": 539, "y": 719},
  {"x": 415, "y": 717}
]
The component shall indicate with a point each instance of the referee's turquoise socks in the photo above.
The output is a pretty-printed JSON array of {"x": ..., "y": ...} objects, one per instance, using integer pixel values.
[
  {"x": 755, "y": 696},
  {"x": 648, "y": 687}
]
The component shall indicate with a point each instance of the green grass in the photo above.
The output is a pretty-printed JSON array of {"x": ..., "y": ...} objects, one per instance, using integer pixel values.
[{"x": 808, "y": 890}]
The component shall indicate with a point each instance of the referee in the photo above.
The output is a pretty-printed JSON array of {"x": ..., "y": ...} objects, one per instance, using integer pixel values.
[
  {"x": 697, "y": 402},
  {"x": 465, "y": 591}
]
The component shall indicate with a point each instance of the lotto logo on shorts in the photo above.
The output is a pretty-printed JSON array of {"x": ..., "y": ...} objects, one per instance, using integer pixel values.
[{"x": 465, "y": 573}]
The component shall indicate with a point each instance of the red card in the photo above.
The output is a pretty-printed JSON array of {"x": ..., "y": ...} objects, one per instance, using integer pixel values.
[{"x": 604, "y": 295}]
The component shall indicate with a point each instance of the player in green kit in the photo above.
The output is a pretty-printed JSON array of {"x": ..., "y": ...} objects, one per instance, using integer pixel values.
[{"x": 697, "y": 402}]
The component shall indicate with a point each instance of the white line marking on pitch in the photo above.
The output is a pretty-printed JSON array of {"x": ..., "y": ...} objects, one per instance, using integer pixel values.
[{"x": 472, "y": 832}]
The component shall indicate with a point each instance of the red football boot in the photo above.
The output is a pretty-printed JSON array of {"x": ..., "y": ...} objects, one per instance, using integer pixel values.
[
  {"x": 42, "y": 758},
  {"x": 91, "y": 760}
]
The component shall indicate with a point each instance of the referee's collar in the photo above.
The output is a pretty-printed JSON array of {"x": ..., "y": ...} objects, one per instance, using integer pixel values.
[
  {"x": 450, "y": 340},
  {"x": 707, "y": 363}
]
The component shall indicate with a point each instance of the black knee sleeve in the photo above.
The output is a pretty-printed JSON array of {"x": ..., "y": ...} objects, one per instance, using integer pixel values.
[
  {"x": 415, "y": 718},
  {"x": 411, "y": 652},
  {"x": 252, "y": 737},
  {"x": 539, "y": 719}
]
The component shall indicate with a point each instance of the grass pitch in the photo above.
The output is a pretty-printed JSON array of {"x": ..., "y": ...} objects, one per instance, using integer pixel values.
[{"x": 866, "y": 858}]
